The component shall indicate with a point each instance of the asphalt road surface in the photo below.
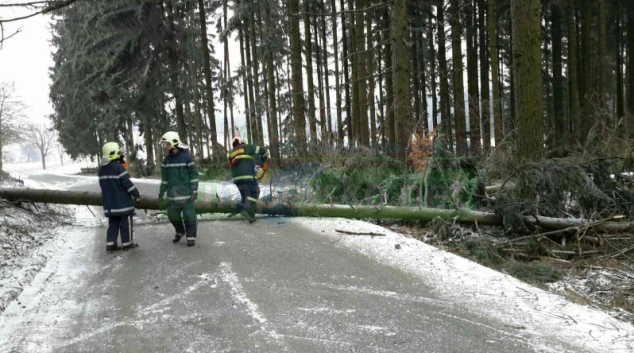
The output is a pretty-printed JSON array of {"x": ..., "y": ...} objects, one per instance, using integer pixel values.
[{"x": 265, "y": 287}]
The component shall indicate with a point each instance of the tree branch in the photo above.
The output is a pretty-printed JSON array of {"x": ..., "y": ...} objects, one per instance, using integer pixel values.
[
  {"x": 2, "y": 39},
  {"x": 48, "y": 9},
  {"x": 26, "y": 4}
]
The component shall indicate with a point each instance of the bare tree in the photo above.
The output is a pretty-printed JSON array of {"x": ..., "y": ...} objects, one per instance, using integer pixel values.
[
  {"x": 11, "y": 110},
  {"x": 42, "y": 137}
]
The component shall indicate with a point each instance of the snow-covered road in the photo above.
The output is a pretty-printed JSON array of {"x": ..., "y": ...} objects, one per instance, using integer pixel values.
[{"x": 284, "y": 285}]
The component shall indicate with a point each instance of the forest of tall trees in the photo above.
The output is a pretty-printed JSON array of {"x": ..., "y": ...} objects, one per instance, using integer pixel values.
[{"x": 530, "y": 76}]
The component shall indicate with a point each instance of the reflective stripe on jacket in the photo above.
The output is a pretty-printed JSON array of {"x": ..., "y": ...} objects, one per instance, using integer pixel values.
[
  {"x": 241, "y": 161},
  {"x": 179, "y": 177},
  {"x": 116, "y": 189}
]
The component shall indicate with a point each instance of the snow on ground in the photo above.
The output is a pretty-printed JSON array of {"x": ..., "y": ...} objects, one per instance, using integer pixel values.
[
  {"x": 25, "y": 238},
  {"x": 58, "y": 256},
  {"x": 600, "y": 286},
  {"x": 547, "y": 316},
  {"x": 36, "y": 167}
]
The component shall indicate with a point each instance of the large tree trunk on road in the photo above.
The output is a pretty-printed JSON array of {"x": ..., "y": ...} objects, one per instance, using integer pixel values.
[{"x": 336, "y": 211}]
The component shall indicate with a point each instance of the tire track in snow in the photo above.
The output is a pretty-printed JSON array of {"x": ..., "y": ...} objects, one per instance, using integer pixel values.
[{"x": 238, "y": 293}]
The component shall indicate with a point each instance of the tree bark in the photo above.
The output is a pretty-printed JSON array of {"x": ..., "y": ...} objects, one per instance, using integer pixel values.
[
  {"x": 326, "y": 71},
  {"x": 346, "y": 72},
  {"x": 360, "y": 55},
  {"x": 335, "y": 47},
  {"x": 415, "y": 72},
  {"x": 432, "y": 67},
  {"x": 245, "y": 85},
  {"x": 225, "y": 76},
  {"x": 587, "y": 73},
  {"x": 445, "y": 101},
  {"x": 381, "y": 53},
  {"x": 257, "y": 117},
  {"x": 389, "y": 84},
  {"x": 573, "y": 84},
  {"x": 371, "y": 84},
  {"x": 309, "y": 73},
  {"x": 252, "y": 95},
  {"x": 629, "y": 123},
  {"x": 426, "y": 214},
  {"x": 149, "y": 145},
  {"x": 402, "y": 96},
  {"x": 299, "y": 118},
  {"x": 528, "y": 80},
  {"x": 353, "y": 122},
  {"x": 193, "y": 80},
  {"x": 603, "y": 59},
  {"x": 484, "y": 78},
  {"x": 458, "y": 80},
  {"x": 320, "y": 81},
  {"x": 228, "y": 69},
  {"x": 211, "y": 110},
  {"x": 620, "y": 95},
  {"x": 422, "y": 77},
  {"x": 558, "y": 84},
  {"x": 495, "y": 79},
  {"x": 174, "y": 68},
  {"x": 472, "y": 76},
  {"x": 273, "y": 138}
]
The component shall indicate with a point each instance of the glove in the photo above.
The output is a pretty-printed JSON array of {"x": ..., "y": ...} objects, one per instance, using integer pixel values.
[
  {"x": 136, "y": 201},
  {"x": 194, "y": 196},
  {"x": 259, "y": 172},
  {"x": 162, "y": 203}
]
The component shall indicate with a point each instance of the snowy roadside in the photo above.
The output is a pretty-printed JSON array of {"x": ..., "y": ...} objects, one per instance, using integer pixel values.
[
  {"x": 547, "y": 318},
  {"x": 26, "y": 232}
]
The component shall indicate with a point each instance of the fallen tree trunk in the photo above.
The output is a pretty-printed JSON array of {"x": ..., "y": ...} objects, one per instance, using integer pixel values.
[{"x": 302, "y": 210}]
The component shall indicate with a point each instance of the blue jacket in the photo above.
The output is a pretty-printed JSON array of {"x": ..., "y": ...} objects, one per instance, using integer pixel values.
[
  {"x": 116, "y": 189},
  {"x": 179, "y": 178}
]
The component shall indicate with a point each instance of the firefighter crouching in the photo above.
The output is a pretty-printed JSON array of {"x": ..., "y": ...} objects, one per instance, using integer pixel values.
[
  {"x": 118, "y": 196},
  {"x": 179, "y": 180},
  {"x": 248, "y": 164}
]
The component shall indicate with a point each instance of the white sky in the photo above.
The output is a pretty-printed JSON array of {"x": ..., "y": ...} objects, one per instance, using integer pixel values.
[{"x": 26, "y": 59}]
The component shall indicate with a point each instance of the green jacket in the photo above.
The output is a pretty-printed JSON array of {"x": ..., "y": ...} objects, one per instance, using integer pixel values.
[
  {"x": 242, "y": 163},
  {"x": 179, "y": 177}
]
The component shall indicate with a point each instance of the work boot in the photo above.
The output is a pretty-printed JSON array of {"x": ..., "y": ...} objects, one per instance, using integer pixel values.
[
  {"x": 114, "y": 247},
  {"x": 130, "y": 246},
  {"x": 248, "y": 216},
  {"x": 177, "y": 238},
  {"x": 191, "y": 242}
]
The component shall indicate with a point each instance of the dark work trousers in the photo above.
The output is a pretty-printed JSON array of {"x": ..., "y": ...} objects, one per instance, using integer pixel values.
[
  {"x": 121, "y": 224},
  {"x": 183, "y": 218},
  {"x": 249, "y": 193}
]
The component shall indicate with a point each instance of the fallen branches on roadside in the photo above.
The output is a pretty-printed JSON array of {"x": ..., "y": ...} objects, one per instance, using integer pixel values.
[{"x": 360, "y": 233}]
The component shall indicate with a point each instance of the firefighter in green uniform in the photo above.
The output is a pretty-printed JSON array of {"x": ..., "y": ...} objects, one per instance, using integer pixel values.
[
  {"x": 179, "y": 179},
  {"x": 248, "y": 165}
]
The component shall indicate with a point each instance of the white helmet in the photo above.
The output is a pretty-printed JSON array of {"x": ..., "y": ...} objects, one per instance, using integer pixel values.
[
  {"x": 111, "y": 151},
  {"x": 237, "y": 137},
  {"x": 172, "y": 138}
]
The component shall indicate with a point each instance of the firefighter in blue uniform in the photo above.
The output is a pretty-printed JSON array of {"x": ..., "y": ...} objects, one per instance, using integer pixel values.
[
  {"x": 179, "y": 180},
  {"x": 248, "y": 165},
  {"x": 119, "y": 196}
]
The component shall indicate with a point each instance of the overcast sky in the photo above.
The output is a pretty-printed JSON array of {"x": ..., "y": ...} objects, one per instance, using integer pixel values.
[{"x": 26, "y": 59}]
